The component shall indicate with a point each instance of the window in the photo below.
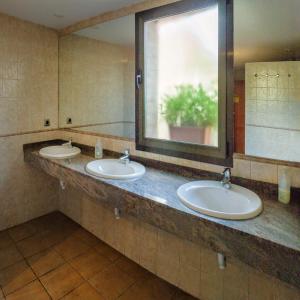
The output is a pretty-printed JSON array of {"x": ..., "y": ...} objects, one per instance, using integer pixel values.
[{"x": 184, "y": 80}]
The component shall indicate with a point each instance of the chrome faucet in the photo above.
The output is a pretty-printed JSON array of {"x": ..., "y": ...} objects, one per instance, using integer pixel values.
[
  {"x": 226, "y": 181},
  {"x": 125, "y": 158},
  {"x": 68, "y": 144}
]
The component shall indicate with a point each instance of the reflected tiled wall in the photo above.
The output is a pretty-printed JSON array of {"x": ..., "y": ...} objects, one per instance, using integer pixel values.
[
  {"x": 96, "y": 82},
  {"x": 191, "y": 267},
  {"x": 28, "y": 95},
  {"x": 273, "y": 110},
  {"x": 119, "y": 129}
]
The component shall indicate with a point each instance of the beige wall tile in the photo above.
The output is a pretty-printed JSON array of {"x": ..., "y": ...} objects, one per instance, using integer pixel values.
[
  {"x": 148, "y": 247},
  {"x": 29, "y": 87},
  {"x": 22, "y": 187},
  {"x": 261, "y": 286},
  {"x": 285, "y": 291},
  {"x": 190, "y": 254},
  {"x": 211, "y": 286},
  {"x": 189, "y": 279},
  {"x": 241, "y": 168},
  {"x": 235, "y": 280},
  {"x": 264, "y": 172}
]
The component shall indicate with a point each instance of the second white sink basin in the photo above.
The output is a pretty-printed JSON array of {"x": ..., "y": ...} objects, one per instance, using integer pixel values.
[
  {"x": 60, "y": 152},
  {"x": 212, "y": 199},
  {"x": 115, "y": 169}
]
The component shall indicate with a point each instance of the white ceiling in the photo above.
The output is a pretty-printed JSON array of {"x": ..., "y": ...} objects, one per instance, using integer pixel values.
[
  {"x": 263, "y": 29},
  {"x": 44, "y": 11},
  {"x": 119, "y": 31}
]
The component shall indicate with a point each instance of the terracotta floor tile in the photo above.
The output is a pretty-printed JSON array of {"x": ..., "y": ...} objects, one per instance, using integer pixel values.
[
  {"x": 152, "y": 289},
  {"x": 84, "y": 292},
  {"x": 180, "y": 295},
  {"x": 45, "y": 261},
  {"x": 32, "y": 291},
  {"x": 107, "y": 251},
  {"x": 61, "y": 281},
  {"x": 90, "y": 263},
  {"x": 32, "y": 245},
  {"x": 71, "y": 247},
  {"x": 53, "y": 237},
  {"x": 54, "y": 221},
  {"x": 9, "y": 256},
  {"x": 5, "y": 239},
  {"x": 112, "y": 282},
  {"x": 132, "y": 268},
  {"x": 22, "y": 231},
  {"x": 15, "y": 277},
  {"x": 86, "y": 237}
]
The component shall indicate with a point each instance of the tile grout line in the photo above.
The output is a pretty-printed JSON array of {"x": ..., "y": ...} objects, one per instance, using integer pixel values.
[{"x": 37, "y": 278}]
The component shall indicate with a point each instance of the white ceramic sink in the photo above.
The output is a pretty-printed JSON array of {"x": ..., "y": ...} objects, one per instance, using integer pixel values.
[
  {"x": 60, "y": 152},
  {"x": 212, "y": 199},
  {"x": 115, "y": 169}
]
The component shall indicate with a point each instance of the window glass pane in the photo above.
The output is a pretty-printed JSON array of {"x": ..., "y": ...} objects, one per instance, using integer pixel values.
[{"x": 181, "y": 77}]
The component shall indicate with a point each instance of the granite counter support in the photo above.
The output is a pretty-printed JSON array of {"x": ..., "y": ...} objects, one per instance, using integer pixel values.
[{"x": 254, "y": 247}]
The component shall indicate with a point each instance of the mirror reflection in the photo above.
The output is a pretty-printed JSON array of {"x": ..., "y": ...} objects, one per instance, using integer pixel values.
[
  {"x": 96, "y": 73},
  {"x": 267, "y": 78}
]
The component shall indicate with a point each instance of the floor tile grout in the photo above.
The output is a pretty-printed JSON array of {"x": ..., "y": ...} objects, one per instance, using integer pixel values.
[
  {"x": 37, "y": 278},
  {"x": 70, "y": 232}
]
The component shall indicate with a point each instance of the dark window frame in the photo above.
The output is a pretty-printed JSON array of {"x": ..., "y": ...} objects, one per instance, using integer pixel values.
[{"x": 223, "y": 154}]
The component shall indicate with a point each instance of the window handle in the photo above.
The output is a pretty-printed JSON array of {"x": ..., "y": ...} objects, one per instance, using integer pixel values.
[{"x": 139, "y": 79}]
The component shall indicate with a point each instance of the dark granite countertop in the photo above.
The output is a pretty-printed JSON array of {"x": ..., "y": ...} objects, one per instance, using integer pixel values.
[{"x": 269, "y": 242}]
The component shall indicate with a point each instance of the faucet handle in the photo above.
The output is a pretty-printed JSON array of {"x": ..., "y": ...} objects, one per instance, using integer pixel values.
[
  {"x": 68, "y": 143},
  {"x": 227, "y": 170},
  {"x": 126, "y": 151}
]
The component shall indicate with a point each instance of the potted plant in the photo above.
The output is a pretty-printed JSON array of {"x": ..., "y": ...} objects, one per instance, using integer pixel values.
[{"x": 190, "y": 113}]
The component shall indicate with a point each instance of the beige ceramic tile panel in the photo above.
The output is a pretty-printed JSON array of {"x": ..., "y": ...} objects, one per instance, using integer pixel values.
[
  {"x": 264, "y": 172},
  {"x": 241, "y": 168},
  {"x": 28, "y": 76},
  {"x": 22, "y": 187},
  {"x": 28, "y": 95},
  {"x": 190, "y": 267}
]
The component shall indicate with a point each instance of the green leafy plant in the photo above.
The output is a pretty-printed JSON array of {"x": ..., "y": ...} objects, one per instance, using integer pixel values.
[{"x": 191, "y": 106}]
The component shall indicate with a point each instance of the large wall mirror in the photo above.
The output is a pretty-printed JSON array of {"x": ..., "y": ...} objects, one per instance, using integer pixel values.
[
  {"x": 97, "y": 79},
  {"x": 96, "y": 73},
  {"x": 267, "y": 78}
]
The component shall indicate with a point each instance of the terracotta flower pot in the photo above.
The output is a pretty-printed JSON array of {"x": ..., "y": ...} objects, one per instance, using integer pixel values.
[{"x": 195, "y": 135}]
